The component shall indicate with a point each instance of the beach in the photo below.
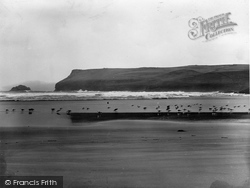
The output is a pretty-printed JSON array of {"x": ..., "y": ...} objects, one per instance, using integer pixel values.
[
  {"x": 131, "y": 153},
  {"x": 124, "y": 94},
  {"x": 124, "y": 153}
]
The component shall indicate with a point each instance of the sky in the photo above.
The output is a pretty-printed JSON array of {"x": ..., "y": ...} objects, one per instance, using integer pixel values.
[{"x": 44, "y": 40}]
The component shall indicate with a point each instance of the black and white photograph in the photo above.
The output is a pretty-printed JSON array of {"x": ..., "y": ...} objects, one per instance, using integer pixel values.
[{"x": 124, "y": 94}]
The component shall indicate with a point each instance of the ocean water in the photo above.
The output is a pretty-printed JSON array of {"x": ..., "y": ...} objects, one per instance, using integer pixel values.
[
  {"x": 99, "y": 95},
  {"x": 125, "y": 153},
  {"x": 11, "y": 112}
]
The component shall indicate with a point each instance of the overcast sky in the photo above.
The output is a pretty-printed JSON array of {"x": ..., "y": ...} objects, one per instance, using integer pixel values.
[{"x": 45, "y": 39}]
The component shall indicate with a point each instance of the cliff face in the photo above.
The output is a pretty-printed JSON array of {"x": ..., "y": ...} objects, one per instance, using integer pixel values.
[{"x": 224, "y": 78}]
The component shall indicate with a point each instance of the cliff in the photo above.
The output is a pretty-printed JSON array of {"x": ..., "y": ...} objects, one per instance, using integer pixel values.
[{"x": 223, "y": 78}]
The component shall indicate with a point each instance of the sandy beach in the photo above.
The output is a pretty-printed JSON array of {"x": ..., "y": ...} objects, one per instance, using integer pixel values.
[
  {"x": 126, "y": 153},
  {"x": 124, "y": 94}
]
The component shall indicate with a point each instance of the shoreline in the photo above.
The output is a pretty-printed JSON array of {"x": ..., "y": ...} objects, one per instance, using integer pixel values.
[
  {"x": 127, "y": 98},
  {"x": 99, "y": 116},
  {"x": 113, "y": 95}
]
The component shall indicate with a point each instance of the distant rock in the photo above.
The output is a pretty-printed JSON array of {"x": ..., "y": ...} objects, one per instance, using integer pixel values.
[
  {"x": 20, "y": 88},
  {"x": 35, "y": 85},
  {"x": 40, "y": 85},
  {"x": 202, "y": 78}
]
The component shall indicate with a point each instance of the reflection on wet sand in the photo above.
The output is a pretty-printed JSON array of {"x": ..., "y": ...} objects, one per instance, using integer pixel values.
[
  {"x": 223, "y": 184},
  {"x": 136, "y": 153}
]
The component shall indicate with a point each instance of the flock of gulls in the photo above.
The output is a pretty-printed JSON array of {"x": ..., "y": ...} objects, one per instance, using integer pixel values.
[{"x": 197, "y": 107}]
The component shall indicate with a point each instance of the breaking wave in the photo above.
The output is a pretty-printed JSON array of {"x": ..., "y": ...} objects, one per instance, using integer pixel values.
[{"x": 101, "y": 95}]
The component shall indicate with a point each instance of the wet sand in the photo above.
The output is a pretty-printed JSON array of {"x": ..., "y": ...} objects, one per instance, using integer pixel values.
[
  {"x": 131, "y": 153},
  {"x": 99, "y": 116}
]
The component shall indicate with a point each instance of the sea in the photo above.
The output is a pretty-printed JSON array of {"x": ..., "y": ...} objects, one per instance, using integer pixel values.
[
  {"x": 14, "y": 106},
  {"x": 38, "y": 138}
]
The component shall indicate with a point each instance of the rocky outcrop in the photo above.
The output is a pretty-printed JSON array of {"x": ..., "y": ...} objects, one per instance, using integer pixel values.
[
  {"x": 223, "y": 78},
  {"x": 20, "y": 88}
]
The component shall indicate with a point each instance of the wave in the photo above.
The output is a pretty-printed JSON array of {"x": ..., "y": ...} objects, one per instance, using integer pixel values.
[{"x": 101, "y": 95}]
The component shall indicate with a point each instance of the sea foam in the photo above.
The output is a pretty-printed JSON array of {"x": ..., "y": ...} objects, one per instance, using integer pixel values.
[{"x": 101, "y": 95}]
